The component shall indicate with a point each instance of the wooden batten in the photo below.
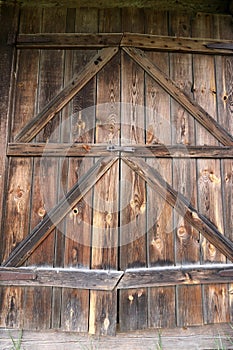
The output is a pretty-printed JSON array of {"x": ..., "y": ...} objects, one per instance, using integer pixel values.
[
  {"x": 63, "y": 278},
  {"x": 91, "y": 150},
  {"x": 141, "y": 41}
]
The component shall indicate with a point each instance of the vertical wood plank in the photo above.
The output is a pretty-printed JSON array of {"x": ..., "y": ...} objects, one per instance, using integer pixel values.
[
  {"x": 19, "y": 176},
  {"x": 159, "y": 213},
  {"x": 187, "y": 247},
  {"x": 133, "y": 308},
  {"x": 208, "y": 171},
  {"x": 103, "y": 305},
  {"x": 7, "y": 54},
  {"x": 45, "y": 182},
  {"x": 63, "y": 171},
  {"x": 224, "y": 81},
  {"x": 75, "y": 303}
]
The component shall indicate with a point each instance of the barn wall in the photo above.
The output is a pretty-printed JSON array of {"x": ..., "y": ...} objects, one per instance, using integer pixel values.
[{"x": 31, "y": 187}]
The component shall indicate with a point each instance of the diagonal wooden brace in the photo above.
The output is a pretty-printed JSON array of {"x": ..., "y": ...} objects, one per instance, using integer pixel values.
[
  {"x": 181, "y": 205},
  {"x": 43, "y": 229}
]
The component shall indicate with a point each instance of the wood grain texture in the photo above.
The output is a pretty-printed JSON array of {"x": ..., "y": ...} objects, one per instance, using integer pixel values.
[
  {"x": 78, "y": 225},
  {"x": 60, "y": 100},
  {"x": 46, "y": 226},
  {"x": 63, "y": 278},
  {"x": 133, "y": 304},
  {"x": 215, "y": 6},
  {"x": 182, "y": 206},
  {"x": 179, "y": 43},
  {"x": 160, "y": 242},
  {"x": 209, "y": 175},
  {"x": 176, "y": 275},
  {"x": 187, "y": 246},
  {"x": 224, "y": 78},
  {"x": 202, "y": 337},
  {"x": 18, "y": 187},
  {"x": 45, "y": 180},
  {"x": 103, "y": 306},
  {"x": 191, "y": 106},
  {"x": 68, "y": 40},
  {"x": 101, "y": 150}
]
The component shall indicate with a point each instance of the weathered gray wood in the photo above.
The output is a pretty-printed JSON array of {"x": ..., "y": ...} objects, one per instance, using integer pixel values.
[
  {"x": 34, "y": 126},
  {"x": 177, "y": 44},
  {"x": 42, "y": 230},
  {"x": 100, "y": 150},
  {"x": 177, "y": 275},
  {"x": 68, "y": 40},
  {"x": 68, "y": 278},
  {"x": 191, "y": 106},
  {"x": 182, "y": 206},
  {"x": 183, "y": 338}
]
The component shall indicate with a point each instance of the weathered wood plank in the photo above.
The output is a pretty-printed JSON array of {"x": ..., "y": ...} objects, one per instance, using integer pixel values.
[
  {"x": 215, "y": 297},
  {"x": 176, "y": 275},
  {"x": 39, "y": 301},
  {"x": 103, "y": 306},
  {"x": 183, "y": 338},
  {"x": 216, "y": 6},
  {"x": 182, "y": 205},
  {"x": 56, "y": 104},
  {"x": 142, "y": 41},
  {"x": 160, "y": 237},
  {"x": 42, "y": 230},
  {"x": 63, "y": 278},
  {"x": 8, "y": 24},
  {"x": 191, "y": 106},
  {"x": 68, "y": 40},
  {"x": 177, "y": 44},
  {"x": 187, "y": 246},
  {"x": 79, "y": 126},
  {"x": 101, "y": 150},
  {"x": 224, "y": 80},
  {"x": 19, "y": 172},
  {"x": 133, "y": 306}
]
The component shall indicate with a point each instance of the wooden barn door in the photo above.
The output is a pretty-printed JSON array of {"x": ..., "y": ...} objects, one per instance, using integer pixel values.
[{"x": 115, "y": 177}]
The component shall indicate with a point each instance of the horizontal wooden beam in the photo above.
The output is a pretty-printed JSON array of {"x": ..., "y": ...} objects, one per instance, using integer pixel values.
[
  {"x": 181, "y": 205},
  {"x": 49, "y": 222},
  {"x": 100, "y": 150},
  {"x": 58, "y": 277},
  {"x": 190, "y": 6},
  {"x": 184, "y": 100},
  {"x": 108, "y": 280},
  {"x": 142, "y": 41},
  {"x": 34, "y": 126},
  {"x": 176, "y": 275},
  {"x": 178, "y": 44},
  {"x": 67, "y": 40}
]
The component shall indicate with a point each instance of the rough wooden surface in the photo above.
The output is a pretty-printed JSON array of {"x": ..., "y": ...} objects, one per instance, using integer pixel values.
[
  {"x": 215, "y": 6},
  {"x": 196, "y": 338}
]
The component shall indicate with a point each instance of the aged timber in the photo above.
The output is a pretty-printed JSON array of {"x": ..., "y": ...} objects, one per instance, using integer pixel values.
[
  {"x": 42, "y": 230},
  {"x": 142, "y": 41},
  {"x": 65, "y": 278},
  {"x": 191, "y": 106},
  {"x": 182, "y": 206},
  {"x": 101, "y": 150},
  {"x": 176, "y": 275},
  {"x": 58, "y": 102}
]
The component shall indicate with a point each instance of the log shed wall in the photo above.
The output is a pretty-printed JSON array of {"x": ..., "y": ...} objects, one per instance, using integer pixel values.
[{"x": 116, "y": 166}]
